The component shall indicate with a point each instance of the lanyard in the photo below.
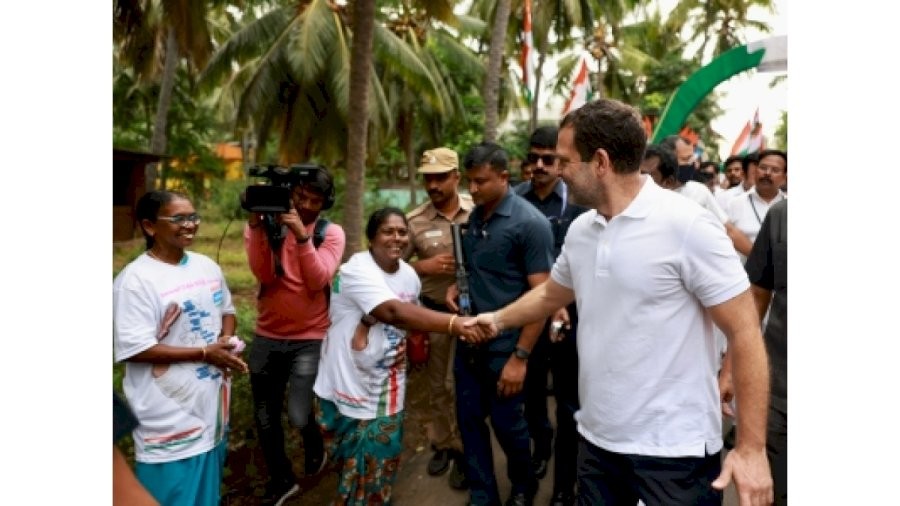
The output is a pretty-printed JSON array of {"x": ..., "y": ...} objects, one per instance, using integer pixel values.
[{"x": 754, "y": 209}]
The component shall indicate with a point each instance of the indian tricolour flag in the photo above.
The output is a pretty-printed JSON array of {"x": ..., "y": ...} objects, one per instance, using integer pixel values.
[
  {"x": 751, "y": 139},
  {"x": 528, "y": 55},
  {"x": 581, "y": 87}
]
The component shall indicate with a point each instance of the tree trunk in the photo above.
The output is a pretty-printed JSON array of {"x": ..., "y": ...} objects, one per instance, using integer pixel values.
[
  {"x": 167, "y": 82},
  {"x": 538, "y": 72},
  {"x": 492, "y": 78},
  {"x": 405, "y": 135},
  {"x": 358, "y": 123}
]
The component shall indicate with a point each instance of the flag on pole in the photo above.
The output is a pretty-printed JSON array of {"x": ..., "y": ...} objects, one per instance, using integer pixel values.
[
  {"x": 581, "y": 87},
  {"x": 751, "y": 139},
  {"x": 528, "y": 55}
]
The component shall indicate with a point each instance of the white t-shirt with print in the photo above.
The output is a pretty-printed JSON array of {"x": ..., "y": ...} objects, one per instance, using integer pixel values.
[
  {"x": 369, "y": 383},
  {"x": 182, "y": 407}
]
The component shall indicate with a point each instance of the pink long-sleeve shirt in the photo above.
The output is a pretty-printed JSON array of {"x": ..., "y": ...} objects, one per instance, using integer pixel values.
[{"x": 293, "y": 305}]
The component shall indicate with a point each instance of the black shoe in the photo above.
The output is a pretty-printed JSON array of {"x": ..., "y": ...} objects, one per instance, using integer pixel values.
[
  {"x": 457, "y": 478},
  {"x": 439, "y": 462},
  {"x": 539, "y": 467},
  {"x": 314, "y": 461},
  {"x": 519, "y": 499},
  {"x": 277, "y": 493},
  {"x": 562, "y": 499}
]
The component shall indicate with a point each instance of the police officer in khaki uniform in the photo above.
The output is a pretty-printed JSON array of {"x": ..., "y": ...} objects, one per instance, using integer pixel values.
[{"x": 432, "y": 247}]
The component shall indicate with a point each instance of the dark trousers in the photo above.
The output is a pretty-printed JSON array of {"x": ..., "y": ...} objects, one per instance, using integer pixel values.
[
  {"x": 776, "y": 448},
  {"x": 615, "y": 479},
  {"x": 476, "y": 374},
  {"x": 275, "y": 364},
  {"x": 561, "y": 359}
]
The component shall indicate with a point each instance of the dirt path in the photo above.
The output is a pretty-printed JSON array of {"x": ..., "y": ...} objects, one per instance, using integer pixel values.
[{"x": 244, "y": 480}]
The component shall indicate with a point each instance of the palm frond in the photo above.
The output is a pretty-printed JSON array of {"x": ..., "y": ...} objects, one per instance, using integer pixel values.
[
  {"x": 471, "y": 25},
  {"x": 188, "y": 18},
  {"x": 400, "y": 59},
  {"x": 458, "y": 56},
  {"x": 313, "y": 41},
  {"x": 255, "y": 39}
]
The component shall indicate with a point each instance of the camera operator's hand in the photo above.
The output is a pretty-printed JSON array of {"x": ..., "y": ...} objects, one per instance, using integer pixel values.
[{"x": 293, "y": 222}]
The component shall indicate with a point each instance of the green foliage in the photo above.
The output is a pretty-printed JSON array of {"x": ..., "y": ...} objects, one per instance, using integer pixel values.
[
  {"x": 515, "y": 141},
  {"x": 463, "y": 133},
  {"x": 224, "y": 201},
  {"x": 781, "y": 132}
]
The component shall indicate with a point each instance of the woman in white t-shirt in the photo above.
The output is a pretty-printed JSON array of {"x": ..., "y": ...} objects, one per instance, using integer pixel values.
[
  {"x": 361, "y": 382},
  {"x": 172, "y": 320}
]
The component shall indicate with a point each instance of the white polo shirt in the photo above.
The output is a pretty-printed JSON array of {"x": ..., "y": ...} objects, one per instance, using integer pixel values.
[
  {"x": 724, "y": 197},
  {"x": 700, "y": 194},
  {"x": 748, "y": 210},
  {"x": 646, "y": 351}
]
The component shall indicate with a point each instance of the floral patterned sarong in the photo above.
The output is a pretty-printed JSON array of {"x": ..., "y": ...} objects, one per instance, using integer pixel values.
[{"x": 367, "y": 450}]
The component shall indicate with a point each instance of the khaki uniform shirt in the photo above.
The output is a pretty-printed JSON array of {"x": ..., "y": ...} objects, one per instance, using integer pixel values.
[{"x": 429, "y": 236}]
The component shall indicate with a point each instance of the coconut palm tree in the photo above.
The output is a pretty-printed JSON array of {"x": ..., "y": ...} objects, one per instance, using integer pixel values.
[
  {"x": 293, "y": 79},
  {"x": 152, "y": 37},
  {"x": 494, "y": 66},
  {"x": 720, "y": 22},
  {"x": 420, "y": 118}
]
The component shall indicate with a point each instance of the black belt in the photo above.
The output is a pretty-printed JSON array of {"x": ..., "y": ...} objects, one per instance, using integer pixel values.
[{"x": 434, "y": 305}]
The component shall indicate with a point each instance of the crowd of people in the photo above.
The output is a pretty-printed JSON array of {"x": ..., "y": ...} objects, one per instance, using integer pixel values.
[{"x": 644, "y": 306}]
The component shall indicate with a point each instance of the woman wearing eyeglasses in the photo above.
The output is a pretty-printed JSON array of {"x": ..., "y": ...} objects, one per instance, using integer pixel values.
[{"x": 172, "y": 322}]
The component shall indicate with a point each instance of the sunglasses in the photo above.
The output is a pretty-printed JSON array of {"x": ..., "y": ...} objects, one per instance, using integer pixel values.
[
  {"x": 181, "y": 219},
  {"x": 547, "y": 159}
]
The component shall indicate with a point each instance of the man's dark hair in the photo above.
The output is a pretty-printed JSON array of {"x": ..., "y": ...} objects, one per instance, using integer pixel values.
[
  {"x": 323, "y": 184},
  {"x": 486, "y": 153},
  {"x": 669, "y": 142},
  {"x": 148, "y": 207},
  {"x": 544, "y": 138},
  {"x": 747, "y": 160},
  {"x": 380, "y": 216},
  {"x": 709, "y": 163},
  {"x": 731, "y": 159},
  {"x": 610, "y": 125},
  {"x": 777, "y": 152},
  {"x": 667, "y": 161}
]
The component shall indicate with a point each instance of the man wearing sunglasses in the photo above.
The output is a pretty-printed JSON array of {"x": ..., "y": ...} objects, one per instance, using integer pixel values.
[{"x": 555, "y": 350}]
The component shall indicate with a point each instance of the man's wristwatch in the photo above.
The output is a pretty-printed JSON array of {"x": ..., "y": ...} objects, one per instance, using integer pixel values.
[
  {"x": 522, "y": 353},
  {"x": 368, "y": 320}
]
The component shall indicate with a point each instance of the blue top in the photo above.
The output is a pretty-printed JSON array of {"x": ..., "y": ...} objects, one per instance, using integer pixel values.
[
  {"x": 500, "y": 253},
  {"x": 556, "y": 208}
]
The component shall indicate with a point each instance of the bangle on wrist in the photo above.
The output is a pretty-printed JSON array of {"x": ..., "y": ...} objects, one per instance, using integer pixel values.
[{"x": 450, "y": 325}]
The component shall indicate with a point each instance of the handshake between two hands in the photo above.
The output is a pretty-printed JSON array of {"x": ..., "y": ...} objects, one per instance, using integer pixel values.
[{"x": 476, "y": 329}]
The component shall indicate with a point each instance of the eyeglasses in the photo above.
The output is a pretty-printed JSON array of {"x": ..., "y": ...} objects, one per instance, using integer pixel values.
[
  {"x": 769, "y": 168},
  {"x": 181, "y": 219},
  {"x": 548, "y": 159}
]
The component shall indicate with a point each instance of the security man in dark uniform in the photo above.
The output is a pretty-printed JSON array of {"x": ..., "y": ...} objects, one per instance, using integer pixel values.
[
  {"x": 508, "y": 249},
  {"x": 555, "y": 349}
]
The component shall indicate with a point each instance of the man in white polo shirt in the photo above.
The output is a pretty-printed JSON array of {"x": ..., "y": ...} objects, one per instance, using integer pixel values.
[
  {"x": 748, "y": 210},
  {"x": 650, "y": 272}
]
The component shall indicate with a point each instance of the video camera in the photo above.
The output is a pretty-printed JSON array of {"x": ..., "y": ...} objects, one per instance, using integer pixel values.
[{"x": 275, "y": 197}]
